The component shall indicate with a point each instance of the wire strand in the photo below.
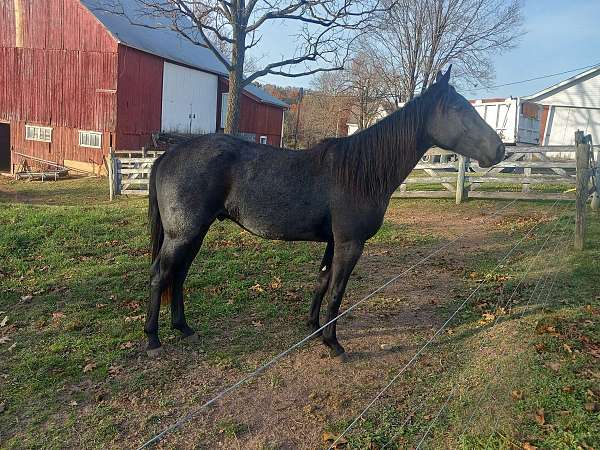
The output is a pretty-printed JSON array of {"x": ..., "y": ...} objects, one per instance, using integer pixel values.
[
  {"x": 432, "y": 338},
  {"x": 181, "y": 421}
]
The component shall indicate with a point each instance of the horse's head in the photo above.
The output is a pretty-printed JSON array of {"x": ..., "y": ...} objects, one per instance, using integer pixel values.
[{"x": 455, "y": 125}]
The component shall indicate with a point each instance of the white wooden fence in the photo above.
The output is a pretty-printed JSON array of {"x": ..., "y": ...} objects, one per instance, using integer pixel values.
[{"x": 527, "y": 173}]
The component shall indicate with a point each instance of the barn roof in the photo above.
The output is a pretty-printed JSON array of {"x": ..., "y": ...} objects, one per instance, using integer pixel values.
[
  {"x": 131, "y": 25},
  {"x": 540, "y": 95}
]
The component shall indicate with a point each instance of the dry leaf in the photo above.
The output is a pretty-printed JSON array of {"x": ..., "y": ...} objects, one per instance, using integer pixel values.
[
  {"x": 539, "y": 416},
  {"x": 276, "y": 283},
  {"x": 72, "y": 403},
  {"x": 567, "y": 389},
  {"x": 134, "y": 318},
  {"x": 4, "y": 321},
  {"x": 89, "y": 367},
  {"x": 257, "y": 323},
  {"x": 26, "y": 298},
  {"x": 126, "y": 345},
  {"x": 257, "y": 288},
  {"x": 516, "y": 395},
  {"x": 540, "y": 347},
  {"x": 115, "y": 370},
  {"x": 592, "y": 407},
  {"x": 528, "y": 446},
  {"x": 100, "y": 305},
  {"x": 567, "y": 348},
  {"x": 58, "y": 315},
  {"x": 554, "y": 366}
]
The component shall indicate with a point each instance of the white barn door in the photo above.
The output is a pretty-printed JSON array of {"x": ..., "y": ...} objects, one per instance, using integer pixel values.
[{"x": 189, "y": 100}]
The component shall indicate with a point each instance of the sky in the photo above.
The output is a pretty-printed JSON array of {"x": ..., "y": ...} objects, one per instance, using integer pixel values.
[{"x": 561, "y": 35}]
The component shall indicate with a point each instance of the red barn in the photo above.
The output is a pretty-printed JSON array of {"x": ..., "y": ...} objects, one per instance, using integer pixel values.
[{"x": 76, "y": 80}]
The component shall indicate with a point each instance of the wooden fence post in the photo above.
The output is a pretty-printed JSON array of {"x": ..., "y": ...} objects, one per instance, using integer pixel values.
[
  {"x": 111, "y": 174},
  {"x": 596, "y": 175},
  {"x": 461, "y": 193},
  {"x": 582, "y": 156}
]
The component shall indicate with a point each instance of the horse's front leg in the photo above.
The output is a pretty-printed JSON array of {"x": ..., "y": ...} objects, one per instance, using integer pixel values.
[
  {"x": 321, "y": 289},
  {"x": 346, "y": 255}
]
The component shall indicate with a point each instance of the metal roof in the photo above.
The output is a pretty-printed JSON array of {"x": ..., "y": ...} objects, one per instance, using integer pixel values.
[
  {"x": 131, "y": 24},
  {"x": 563, "y": 84}
]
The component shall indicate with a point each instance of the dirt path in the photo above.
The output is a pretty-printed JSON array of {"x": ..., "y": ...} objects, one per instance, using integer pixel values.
[{"x": 291, "y": 405}]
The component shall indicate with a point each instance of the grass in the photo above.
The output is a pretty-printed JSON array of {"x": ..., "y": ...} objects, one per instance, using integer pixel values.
[
  {"x": 521, "y": 382},
  {"x": 73, "y": 284}
]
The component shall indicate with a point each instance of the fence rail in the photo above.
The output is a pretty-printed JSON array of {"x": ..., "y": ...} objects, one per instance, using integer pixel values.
[{"x": 528, "y": 173}]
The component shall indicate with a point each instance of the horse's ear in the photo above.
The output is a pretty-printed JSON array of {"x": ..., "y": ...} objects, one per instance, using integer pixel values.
[
  {"x": 438, "y": 77},
  {"x": 446, "y": 77}
]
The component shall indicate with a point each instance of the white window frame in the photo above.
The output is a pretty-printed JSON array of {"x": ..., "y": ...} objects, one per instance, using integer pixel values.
[
  {"x": 90, "y": 139},
  {"x": 38, "y": 133},
  {"x": 263, "y": 140},
  {"x": 224, "y": 105}
]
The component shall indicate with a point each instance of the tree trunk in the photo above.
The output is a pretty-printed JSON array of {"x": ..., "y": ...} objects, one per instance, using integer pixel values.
[{"x": 236, "y": 81}]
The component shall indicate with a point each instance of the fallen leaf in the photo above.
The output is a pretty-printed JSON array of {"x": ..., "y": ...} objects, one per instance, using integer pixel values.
[
  {"x": 11, "y": 348},
  {"x": 257, "y": 323},
  {"x": 72, "y": 403},
  {"x": 516, "y": 395},
  {"x": 528, "y": 446},
  {"x": 539, "y": 416},
  {"x": 592, "y": 407},
  {"x": 89, "y": 367},
  {"x": 567, "y": 348},
  {"x": 3, "y": 323},
  {"x": 100, "y": 305},
  {"x": 134, "y": 318},
  {"x": 554, "y": 366},
  {"x": 257, "y": 288},
  {"x": 540, "y": 347},
  {"x": 26, "y": 298},
  {"x": 58, "y": 315},
  {"x": 126, "y": 345},
  {"x": 276, "y": 283},
  {"x": 567, "y": 389},
  {"x": 115, "y": 370}
]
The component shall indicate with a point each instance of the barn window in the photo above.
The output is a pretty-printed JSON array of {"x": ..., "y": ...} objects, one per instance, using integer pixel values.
[
  {"x": 90, "y": 139},
  {"x": 35, "y": 133},
  {"x": 263, "y": 140},
  {"x": 224, "y": 104}
]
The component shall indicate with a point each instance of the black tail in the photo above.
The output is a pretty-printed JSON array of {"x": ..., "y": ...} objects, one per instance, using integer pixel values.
[{"x": 157, "y": 233}]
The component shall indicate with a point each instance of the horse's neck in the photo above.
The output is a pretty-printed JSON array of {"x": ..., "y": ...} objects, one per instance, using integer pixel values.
[{"x": 412, "y": 156}]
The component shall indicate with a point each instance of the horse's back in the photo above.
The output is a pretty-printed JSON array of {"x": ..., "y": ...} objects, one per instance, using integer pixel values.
[{"x": 274, "y": 193}]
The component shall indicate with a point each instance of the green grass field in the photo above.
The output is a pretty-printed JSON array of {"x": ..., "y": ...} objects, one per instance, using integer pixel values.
[{"x": 73, "y": 287}]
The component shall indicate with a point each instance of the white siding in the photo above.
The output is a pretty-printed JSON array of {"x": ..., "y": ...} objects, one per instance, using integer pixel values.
[
  {"x": 563, "y": 122},
  {"x": 189, "y": 100},
  {"x": 585, "y": 93}
]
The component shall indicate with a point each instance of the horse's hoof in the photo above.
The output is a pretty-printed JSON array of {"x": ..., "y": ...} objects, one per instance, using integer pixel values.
[
  {"x": 342, "y": 357},
  {"x": 192, "y": 338},
  {"x": 154, "y": 352}
]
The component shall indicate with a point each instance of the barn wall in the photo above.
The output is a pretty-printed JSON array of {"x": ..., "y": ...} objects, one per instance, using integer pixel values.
[
  {"x": 260, "y": 119},
  {"x": 188, "y": 92},
  {"x": 583, "y": 93},
  {"x": 140, "y": 79},
  {"x": 563, "y": 122},
  {"x": 63, "y": 76}
]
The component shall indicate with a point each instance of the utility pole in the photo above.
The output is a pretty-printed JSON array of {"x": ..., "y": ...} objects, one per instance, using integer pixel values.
[{"x": 298, "y": 103}]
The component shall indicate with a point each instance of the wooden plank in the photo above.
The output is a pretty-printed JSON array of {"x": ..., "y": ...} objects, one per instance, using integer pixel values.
[
  {"x": 137, "y": 160},
  {"x": 136, "y": 170},
  {"x": 522, "y": 180},
  {"x": 534, "y": 164},
  {"x": 433, "y": 173},
  {"x": 429, "y": 180},
  {"x": 439, "y": 166},
  {"x": 128, "y": 181},
  {"x": 134, "y": 192},
  {"x": 521, "y": 195},
  {"x": 423, "y": 194},
  {"x": 460, "y": 180}
]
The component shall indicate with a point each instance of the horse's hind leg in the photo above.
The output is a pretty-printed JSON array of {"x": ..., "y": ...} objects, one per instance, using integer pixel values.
[
  {"x": 180, "y": 272},
  {"x": 321, "y": 289},
  {"x": 174, "y": 254}
]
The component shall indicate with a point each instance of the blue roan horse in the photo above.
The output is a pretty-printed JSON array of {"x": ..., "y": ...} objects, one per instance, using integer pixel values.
[{"x": 336, "y": 192}]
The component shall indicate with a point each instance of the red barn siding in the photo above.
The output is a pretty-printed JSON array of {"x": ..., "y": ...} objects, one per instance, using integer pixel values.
[
  {"x": 261, "y": 119},
  {"x": 139, "y": 103},
  {"x": 64, "y": 76}
]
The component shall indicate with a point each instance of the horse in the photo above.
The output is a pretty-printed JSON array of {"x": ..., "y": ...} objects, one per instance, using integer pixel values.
[{"x": 336, "y": 192}]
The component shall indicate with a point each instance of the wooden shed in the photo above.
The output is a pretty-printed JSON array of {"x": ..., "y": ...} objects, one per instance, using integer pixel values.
[{"x": 76, "y": 80}]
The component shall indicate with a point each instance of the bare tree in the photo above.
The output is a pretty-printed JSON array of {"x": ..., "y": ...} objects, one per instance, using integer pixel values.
[
  {"x": 417, "y": 38},
  {"x": 230, "y": 28}
]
